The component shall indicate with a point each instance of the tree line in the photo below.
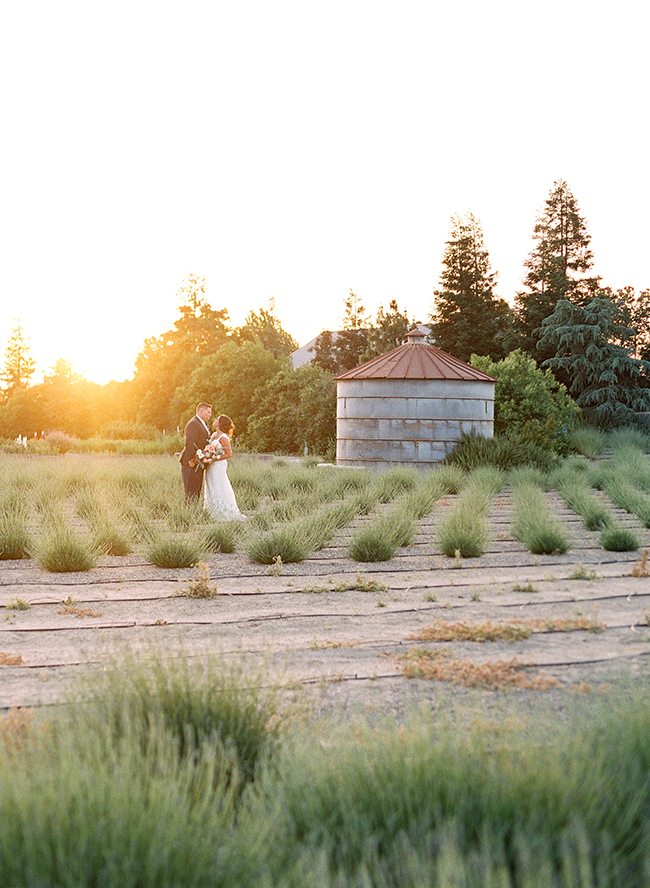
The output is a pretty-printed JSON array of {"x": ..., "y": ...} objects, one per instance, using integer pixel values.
[{"x": 594, "y": 340}]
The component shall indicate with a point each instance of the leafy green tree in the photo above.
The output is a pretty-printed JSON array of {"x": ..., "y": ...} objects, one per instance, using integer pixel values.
[
  {"x": 558, "y": 266},
  {"x": 529, "y": 401},
  {"x": 340, "y": 352},
  {"x": 200, "y": 327},
  {"x": 326, "y": 355},
  {"x": 387, "y": 333},
  {"x": 64, "y": 401},
  {"x": 294, "y": 408},
  {"x": 229, "y": 380},
  {"x": 266, "y": 327},
  {"x": 592, "y": 347},
  {"x": 167, "y": 361},
  {"x": 19, "y": 366},
  {"x": 467, "y": 318}
]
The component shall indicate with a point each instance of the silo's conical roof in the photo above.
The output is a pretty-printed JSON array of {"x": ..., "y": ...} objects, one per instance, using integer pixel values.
[{"x": 415, "y": 360}]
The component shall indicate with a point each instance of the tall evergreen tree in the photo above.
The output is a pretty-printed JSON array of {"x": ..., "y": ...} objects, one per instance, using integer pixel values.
[
  {"x": 591, "y": 346},
  {"x": 557, "y": 268},
  {"x": 467, "y": 318},
  {"x": 19, "y": 366}
]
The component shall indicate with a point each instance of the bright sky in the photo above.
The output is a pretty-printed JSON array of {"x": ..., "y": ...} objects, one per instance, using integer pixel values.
[{"x": 295, "y": 149}]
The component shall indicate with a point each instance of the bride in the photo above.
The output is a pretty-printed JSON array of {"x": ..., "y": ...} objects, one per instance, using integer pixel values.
[{"x": 219, "y": 498}]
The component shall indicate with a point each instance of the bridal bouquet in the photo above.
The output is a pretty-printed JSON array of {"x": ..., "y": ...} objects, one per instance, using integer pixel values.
[{"x": 209, "y": 454}]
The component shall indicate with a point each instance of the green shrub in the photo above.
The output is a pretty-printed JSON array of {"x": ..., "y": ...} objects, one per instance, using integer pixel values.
[
  {"x": 529, "y": 403},
  {"x": 59, "y": 442}
]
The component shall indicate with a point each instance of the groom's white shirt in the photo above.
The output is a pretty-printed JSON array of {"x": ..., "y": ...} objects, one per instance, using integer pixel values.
[{"x": 203, "y": 424}]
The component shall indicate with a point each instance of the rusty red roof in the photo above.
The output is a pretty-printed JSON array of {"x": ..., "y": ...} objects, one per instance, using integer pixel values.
[{"x": 415, "y": 360}]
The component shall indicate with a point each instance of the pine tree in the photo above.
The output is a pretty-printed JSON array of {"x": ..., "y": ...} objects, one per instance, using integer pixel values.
[
  {"x": 19, "y": 366},
  {"x": 591, "y": 346},
  {"x": 557, "y": 268},
  {"x": 467, "y": 318}
]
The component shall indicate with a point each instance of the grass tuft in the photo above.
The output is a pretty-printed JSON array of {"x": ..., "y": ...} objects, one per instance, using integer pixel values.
[
  {"x": 65, "y": 552},
  {"x": 171, "y": 552},
  {"x": 112, "y": 540},
  {"x": 14, "y": 538},
  {"x": 221, "y": 537},
  {"x": 619, "y": 539},
  {"x": 281, "y": 542},
  {"x": 371, "y": 545},
  {"x": 533, "y": 523}
]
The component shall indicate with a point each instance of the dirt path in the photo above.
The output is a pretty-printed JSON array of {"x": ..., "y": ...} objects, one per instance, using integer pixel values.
[{"x": 341, "y": 648}]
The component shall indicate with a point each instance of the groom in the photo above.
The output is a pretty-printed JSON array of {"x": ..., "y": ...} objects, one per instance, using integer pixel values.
[{"x": 197, "y": 435}]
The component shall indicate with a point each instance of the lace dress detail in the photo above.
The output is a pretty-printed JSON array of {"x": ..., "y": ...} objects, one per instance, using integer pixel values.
[{"x": 219, "y": 497}]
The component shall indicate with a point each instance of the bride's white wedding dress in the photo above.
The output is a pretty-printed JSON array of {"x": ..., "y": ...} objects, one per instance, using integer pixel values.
[{"x": 218, "y": 495}]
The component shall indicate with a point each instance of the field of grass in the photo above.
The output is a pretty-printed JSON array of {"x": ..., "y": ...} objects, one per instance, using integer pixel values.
[
  {"x": 68, "y": 511},
  {"x": 193, "y": 772},
  {"x": 162, "y": 777}
]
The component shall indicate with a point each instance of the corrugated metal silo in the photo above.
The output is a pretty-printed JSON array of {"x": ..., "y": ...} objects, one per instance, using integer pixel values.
[{"x": 410, "y": 407}]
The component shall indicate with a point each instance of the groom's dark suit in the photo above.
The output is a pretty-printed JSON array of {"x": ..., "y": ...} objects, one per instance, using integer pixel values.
[{"x": 196, "y": 438}]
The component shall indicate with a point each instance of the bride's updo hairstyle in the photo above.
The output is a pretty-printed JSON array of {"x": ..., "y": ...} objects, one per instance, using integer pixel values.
[{"x": 224, "y": 423}]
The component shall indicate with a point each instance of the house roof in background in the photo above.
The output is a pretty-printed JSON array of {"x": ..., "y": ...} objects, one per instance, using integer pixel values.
[{"x": 305, "y": 354}]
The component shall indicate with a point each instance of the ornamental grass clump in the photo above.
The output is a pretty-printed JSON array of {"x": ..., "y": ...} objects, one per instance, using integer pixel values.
[
  {"x": 14, "y": 537},
  {"x": 452, "y": 477},
  {"x": 63, "y": 551},
  {"x": 624, "y": 494},
  {"x": 619, "y": 539},
  {"x": 395, "y": 482},
  {"x": 421, "y": 501},
  {"x": 283, "y": 542},
  {"x": 140, "y": 781},
  {"x": 575, "y": 491},
  {"x": 464, "y": 533},
  {"x": 626, "y": 438},
  {"x": 501, "y": 452},
  {"x": 533, "y": 523},
  {"x": 111, "y": 540},
  {"x": 371, "y": 545},
  {"x": 221, "y": 537},
  {"x": 174, "y": 552},
  {"x": 380, "y": 540},
  {"x": 588, "y": 441}
]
